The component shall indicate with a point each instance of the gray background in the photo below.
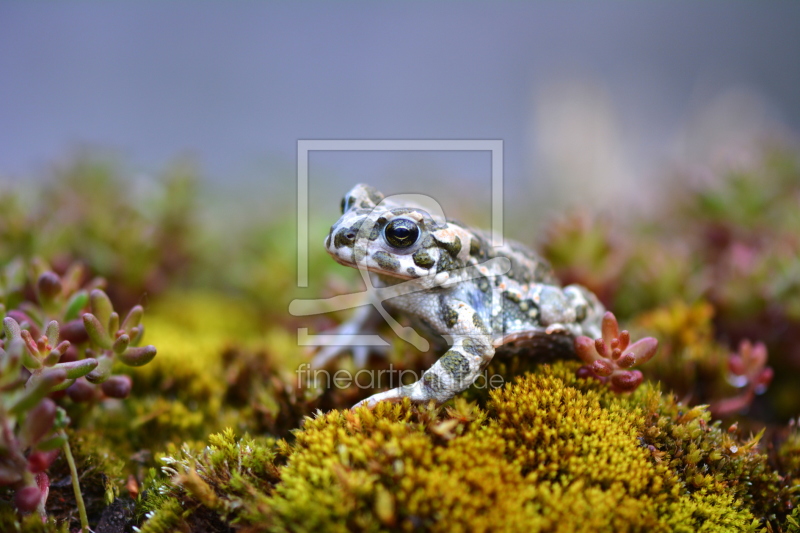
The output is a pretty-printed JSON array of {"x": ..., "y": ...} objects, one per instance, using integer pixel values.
[{"x": 591, "y": 99}]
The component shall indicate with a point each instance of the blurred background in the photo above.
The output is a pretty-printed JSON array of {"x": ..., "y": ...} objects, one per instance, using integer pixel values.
[{"x": 592, "y": 101}]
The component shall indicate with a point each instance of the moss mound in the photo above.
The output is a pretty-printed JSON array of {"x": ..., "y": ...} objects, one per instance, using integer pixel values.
[{"x": 549, "y": 452}]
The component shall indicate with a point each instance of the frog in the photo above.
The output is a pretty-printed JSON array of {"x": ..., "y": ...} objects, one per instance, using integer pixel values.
[{"x": 453, "y": 283}]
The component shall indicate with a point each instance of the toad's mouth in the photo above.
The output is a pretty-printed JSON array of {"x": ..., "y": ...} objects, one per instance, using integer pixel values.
[{"x": 365, "y": 266}]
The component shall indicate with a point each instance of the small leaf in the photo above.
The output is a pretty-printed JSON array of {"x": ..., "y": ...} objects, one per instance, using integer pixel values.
[
  {"x": 27, "y": 499},
  {"x": 38, "y": 387},
  {"x": 754, "y": 440},
  {"x": 602, "y": 368},
  {"x": 81, "y": 391},
  {"x": 51, "y": 332},
  {"x": 97, "y": 333},
  {"x": 48, "y": 286},
  {"x": 77, "y": 369},
  {"x": 52, "y": 358},
  {"x": 40, "y": 461},
  {"x": 10, "y": 361},
  {"x": 52, "y": 443},
  {"x": 72, "y": 277},
  {"x": 38, "y": 423},
  {"x": 30, "y": 355},
  {"x": 610, "y": 327},
  {"x": 138, "y": 356},
  {"x": 643, "y": 350},
  {"x": 626, "y": 380},
  {"x": 101, "y": 306},
  {"x": 11, "y": 328},
  {"x": 117, "y": 387},
  {"x": 626, "y": 361},
  {"x": 585, "y": 349},
  {"x": 136, "y": 334},
  {"x": 134, "y": 318},
  {"x": 62, "y": 386},
  {"x": 121, "y": 344},
  {"x": 102, "y": 372},
  {"x": 76, "y": 304},
  {"x": 113, "y": 324},
  {"x": 30, "y": 344}
]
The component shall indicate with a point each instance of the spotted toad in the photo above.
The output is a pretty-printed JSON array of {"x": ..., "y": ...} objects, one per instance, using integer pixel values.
[{"x": 449, "y": 280}]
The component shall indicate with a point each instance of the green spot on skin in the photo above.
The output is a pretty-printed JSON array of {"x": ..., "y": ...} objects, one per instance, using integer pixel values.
[
  {"x": 375, "y": 233},
  {"x": 474, "y": 246},
  {"x": 446, "y": 263},
  {"x": 455, "y": 364},
  {"x": 450, "y": 316},
  {"x": 386, "y": 261},
  {"x": 342, "y": 238},
  {"x": 479, "y": 325},
  {"x": 469, "y": 346},
  {"x": 423, "y": 259},
  {"x": 432, "y": 381},
  {"x": 453, "y": 248},
  {"x": 359, "y": 253}
]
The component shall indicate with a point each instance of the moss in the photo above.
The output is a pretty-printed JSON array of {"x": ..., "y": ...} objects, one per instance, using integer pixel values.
[
  {"x": 549, "y": 452},
  {"x": 227, "y": 480},
  {"x": 32, "y": 523}
]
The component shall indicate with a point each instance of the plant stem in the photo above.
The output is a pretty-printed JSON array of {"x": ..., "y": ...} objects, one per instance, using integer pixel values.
[{"x": 76, "y": 487}]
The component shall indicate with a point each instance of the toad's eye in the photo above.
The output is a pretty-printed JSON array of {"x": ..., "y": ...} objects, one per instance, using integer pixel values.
[{"x": 401, "y": 233}]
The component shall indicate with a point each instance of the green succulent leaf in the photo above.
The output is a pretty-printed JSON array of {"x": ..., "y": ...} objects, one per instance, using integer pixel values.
[
  {"x": 133, "y": 319},
  {"x": 101, "y": 306},
  {"x": 52, "y": 358},
  {"x": 97, "y": 333},
  {"x": 113, "y": 324},
  {"x": 52, "y": 443},
  {"x": 102, "y": 372},
  {"x": 10, "y": 363},
  {"x": 121, "y": 344},
  {"x": 64, "y": 385},
  {"x": 136, "y": 334},
  {"x": 76, "y": 303},
  {"x": 77, "y": 369},
  {"x": 38, "y": 387},
  {"x": 29, "y": 359},
  {"x": 11, "y": 329},
  {"x": 52, "y": 333}
]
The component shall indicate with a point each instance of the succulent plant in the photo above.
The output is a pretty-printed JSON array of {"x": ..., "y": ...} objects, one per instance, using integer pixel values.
[
  {"x": 30, "y": 424},
  {"x": 611, "y": 357},
  {"x": 93, "y": 340},
  {"x": 109, "y": 341},
  {"x": 749, "y": 372},
  {"x": 35, "y": 362}
]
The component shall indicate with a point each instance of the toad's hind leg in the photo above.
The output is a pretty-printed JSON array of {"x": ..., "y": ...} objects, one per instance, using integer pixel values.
[{"x": 454, "y": 371}]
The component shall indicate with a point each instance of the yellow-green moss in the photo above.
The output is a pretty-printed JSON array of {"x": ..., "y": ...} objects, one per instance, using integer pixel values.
[{"x": 549, "y": 452}]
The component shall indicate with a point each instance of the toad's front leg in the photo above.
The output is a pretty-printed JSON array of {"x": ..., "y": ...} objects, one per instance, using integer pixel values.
[{"x": 454, "y": 371}]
